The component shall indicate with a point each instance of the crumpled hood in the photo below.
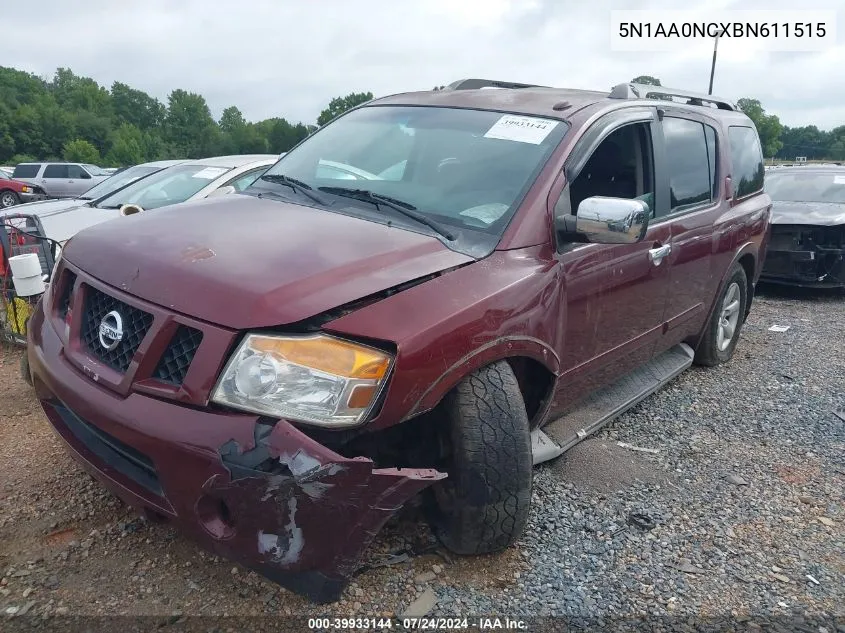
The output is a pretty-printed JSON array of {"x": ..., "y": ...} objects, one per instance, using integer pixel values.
[
  {"x": 818, "y": 213},
  {"x": 243, "y": 262}
]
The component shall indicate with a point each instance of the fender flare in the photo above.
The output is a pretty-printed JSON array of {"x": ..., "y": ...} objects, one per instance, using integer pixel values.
[
  {"x": 749, "y": 248},
  {"x": 496, "y": 350}
]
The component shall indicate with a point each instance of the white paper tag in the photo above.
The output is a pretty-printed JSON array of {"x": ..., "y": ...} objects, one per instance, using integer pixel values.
[
  {"x": 487, "y": 213},
  {"x": 523, "y": 129},
  {"x": 210, "y": 173},
  {"x": 839, "y": 180},
  {"x": 779, "y": 328}
]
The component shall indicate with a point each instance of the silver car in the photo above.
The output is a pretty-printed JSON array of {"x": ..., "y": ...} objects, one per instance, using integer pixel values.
[{"x": 60, "y": 180}]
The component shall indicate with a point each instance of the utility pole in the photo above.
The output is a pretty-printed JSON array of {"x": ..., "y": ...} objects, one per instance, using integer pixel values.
[{"x": 713, "y": 65}]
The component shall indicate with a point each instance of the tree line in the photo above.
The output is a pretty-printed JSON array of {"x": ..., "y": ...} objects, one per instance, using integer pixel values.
[
  {"x": 74, "y": 118},
  {"x": 781, "y": 141}
]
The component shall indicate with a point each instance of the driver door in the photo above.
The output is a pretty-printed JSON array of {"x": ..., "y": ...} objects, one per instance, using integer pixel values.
[{"x": 614, "y": 294}]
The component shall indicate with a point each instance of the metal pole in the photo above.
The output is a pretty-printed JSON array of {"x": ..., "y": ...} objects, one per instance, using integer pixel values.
[{"x": 713, "y": 65}]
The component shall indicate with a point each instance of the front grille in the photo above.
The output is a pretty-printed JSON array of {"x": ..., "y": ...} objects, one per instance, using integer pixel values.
[
  {"x": 128, "y": 461},
  {"x": 176, "y": 359},
  {"x": 135, "y": 325}
]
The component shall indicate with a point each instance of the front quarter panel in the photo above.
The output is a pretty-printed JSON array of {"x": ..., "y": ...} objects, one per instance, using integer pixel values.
[{"x": 504, "y": 305}]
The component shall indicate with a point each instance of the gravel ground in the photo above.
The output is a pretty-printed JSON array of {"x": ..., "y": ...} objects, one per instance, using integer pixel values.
[{"x": 744, "y": 487}]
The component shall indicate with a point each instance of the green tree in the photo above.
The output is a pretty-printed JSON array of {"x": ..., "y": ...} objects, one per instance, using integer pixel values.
[
  {"x": 768, "y": 125},
  {"x": 127, "y": 146},
  {"x": 136, "y": 107},
  {"x": 22, "y": 158},
  {"x": 339, "y": 105},
  {"x": 646, "y": 79},
  {"x": 189, "y": 126},
  {"x": 80, "y": 151}
]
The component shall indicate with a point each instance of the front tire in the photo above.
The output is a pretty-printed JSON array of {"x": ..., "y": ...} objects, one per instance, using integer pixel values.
[
  {"x": 482, "y": 506},
  {"x": 722, "y": 333},
  {"x": 8, "y": 199}
]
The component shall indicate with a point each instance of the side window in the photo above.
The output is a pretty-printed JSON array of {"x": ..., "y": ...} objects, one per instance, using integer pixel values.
[
  {"x": 76, "y": 172},
  {"x": 688, "y": 163},
  {"x": 245, "y": 180},
  {"x": 622, "y": 166},
  {"x": 747, "y": 160},
  {"x": 55, "y": 171},
  {"x": 26, "y": 171}
]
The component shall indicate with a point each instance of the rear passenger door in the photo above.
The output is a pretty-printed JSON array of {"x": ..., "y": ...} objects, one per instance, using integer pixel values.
[
  {"x": 79, "y": 181},
  {"x": 54, "y": 180},
  {"x": 693, "y": 208}
]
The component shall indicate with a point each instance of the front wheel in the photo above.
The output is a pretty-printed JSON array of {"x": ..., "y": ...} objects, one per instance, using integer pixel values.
[
  {"x": 722, "y": 333},
  {"x": 482, "y": 506},
  {"x": 8, "y": 199}
]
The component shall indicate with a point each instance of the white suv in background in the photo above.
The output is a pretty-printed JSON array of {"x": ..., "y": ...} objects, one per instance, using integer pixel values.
[{"x": 60, "y": 180}]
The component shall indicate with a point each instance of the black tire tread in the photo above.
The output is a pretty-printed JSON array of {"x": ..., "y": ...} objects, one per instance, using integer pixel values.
[{"x": 492, "y": 470}]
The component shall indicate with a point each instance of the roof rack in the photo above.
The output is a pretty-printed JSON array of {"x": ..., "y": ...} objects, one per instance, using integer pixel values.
[
  {"x": 474, "y": 84},
  {"x": 644, "y": 91}
]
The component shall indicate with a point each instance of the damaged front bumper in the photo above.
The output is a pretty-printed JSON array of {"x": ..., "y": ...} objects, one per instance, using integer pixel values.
[
  {"x": 263, "y": 494},
  {"x": 806, "y": 255}
]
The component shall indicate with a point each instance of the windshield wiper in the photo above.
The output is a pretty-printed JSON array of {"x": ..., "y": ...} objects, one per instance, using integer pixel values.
[
  {"x": 297, "y": 185},
  {"x": 406, "y": 209}
]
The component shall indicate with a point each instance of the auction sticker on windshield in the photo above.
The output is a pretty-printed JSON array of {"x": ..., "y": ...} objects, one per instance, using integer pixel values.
[
  {"x": 523, "y": 129},
  {"x": 839, "y": 180},
  {"x": 210, "y": 173}
]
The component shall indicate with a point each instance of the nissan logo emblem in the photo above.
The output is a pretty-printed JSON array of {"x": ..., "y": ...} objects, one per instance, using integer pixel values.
[{"x": 111, "y": 330}]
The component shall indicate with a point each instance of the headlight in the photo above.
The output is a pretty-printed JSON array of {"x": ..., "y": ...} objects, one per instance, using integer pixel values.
[
  {"x": 26, "y": 189},
  {"x": 316, "y": 379}
]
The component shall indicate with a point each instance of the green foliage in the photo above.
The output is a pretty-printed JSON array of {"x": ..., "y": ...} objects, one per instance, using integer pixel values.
[
  {"x": 768, "y": 125},
  {"x": 646, "y": 79},
  {"x": 80, "y": 151},
  {"x": 339, "y": 105}
]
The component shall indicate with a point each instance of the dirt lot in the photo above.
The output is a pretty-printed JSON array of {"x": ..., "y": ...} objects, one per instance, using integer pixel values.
[{"x": 745, "y": 485}]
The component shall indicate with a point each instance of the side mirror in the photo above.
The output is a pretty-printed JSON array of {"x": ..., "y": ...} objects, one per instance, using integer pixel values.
[
  {"x": 222, "y": 191},
  {"x": 130, "y": 209},
  {"x": 612, "y": 220}
]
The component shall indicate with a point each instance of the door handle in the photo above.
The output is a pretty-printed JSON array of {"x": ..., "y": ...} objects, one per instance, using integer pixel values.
[{"x": 657, "y": 254}]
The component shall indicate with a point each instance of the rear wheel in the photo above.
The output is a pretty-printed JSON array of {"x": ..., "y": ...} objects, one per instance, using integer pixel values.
[
  {"x": 722, "y": 334},
  {"x": 8, "y": 199},
  {"x": 482, "y": 506}
]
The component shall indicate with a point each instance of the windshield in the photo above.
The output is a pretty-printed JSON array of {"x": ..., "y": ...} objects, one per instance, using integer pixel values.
[
  {"x": 118, "y": 180},
  {"x": 168, "y": 186},
  {"x": 95, "y": 171},
  {"x": 465, "y": 169},
  {"x": 818, "y": 186}
]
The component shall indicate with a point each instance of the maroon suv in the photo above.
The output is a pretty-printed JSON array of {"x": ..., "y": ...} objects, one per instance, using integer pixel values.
[{"x": 430, "y": 294}]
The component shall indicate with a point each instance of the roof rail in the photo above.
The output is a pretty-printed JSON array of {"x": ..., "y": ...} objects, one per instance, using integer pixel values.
[
  {"x": 644, "y": 91},
  {"x": 474, "y": 84}
]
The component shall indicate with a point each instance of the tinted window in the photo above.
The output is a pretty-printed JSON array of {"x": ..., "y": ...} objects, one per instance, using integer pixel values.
[
  {"x": 56, "y": 171},
  {"x": 747, "y": 159},
  {"x": 26, "y": 171},
  {"x": 687, "y": 161},
  {"x": 710, "y": 135},
  {"x": 120, "y": 179},
  {"x": 75, "y": 171}
]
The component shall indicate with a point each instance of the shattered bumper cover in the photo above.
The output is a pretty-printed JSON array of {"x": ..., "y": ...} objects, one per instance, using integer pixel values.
[
  {"x": 268, "y": 497},
  {"x": 806, "y": 255}
]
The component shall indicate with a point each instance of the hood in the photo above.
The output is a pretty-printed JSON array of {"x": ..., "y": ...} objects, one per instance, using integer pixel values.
[
  {"x": 62, "y": 219},
  {"x": 814, "y": 213},
  {"x": 43, "y": 206},
  {"x": 243, "y": 262}
]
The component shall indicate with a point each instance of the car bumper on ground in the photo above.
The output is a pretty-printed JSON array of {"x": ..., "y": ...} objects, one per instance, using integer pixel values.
[{"x": 265, "y": 495}]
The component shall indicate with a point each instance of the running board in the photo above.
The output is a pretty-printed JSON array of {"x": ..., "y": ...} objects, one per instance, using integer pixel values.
[{"x": 604, "y": 405}]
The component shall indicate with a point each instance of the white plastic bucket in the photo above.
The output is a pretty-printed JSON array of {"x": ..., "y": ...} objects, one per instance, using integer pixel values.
[
  {"x": 29, "y": 286},
  {"x": 25, "y": 266}
]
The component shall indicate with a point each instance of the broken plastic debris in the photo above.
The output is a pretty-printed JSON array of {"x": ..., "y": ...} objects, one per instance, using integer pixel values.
[
  {"x": 813, "y": 580},
  {"x": 639, "y": 449},
  {"x": 779, "y": 328}
]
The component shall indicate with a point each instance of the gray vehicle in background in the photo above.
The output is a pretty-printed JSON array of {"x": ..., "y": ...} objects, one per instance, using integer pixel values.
[{"x": 60, "y": 180}]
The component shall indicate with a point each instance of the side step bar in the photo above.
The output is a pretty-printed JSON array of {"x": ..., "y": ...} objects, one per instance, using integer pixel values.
[{"x": 557, "y": 437}]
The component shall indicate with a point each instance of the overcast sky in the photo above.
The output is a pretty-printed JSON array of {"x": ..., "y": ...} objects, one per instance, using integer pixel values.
[{"x": 290, "y": 57}]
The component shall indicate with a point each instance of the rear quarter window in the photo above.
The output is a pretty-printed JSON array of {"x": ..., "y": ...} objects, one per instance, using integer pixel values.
[
  {"x": 747, "y": 160},
  {"x": 26, "y": 171}
]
